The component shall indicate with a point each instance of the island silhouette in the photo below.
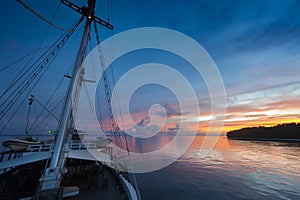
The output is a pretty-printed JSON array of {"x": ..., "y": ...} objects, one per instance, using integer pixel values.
[{"x": 280, "y": 132}]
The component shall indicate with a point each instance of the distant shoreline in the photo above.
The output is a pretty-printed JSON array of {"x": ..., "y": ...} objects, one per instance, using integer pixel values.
[
  {"x": 281, "y": 133},
  {"x": 266, "y": 139}
]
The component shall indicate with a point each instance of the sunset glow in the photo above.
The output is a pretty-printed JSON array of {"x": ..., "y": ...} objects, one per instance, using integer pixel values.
[
  {"x": 266, "y": 107},
  {"x": 254, "y": 49}
]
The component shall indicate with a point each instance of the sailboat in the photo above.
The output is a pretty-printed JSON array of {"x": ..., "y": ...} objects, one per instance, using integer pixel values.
[{"x": 65, "y": 166}]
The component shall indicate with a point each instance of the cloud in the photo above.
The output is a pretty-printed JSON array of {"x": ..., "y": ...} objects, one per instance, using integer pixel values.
[
  {"x": 172, "y": 110},
  {"x": 266, "y": 96},
  {"x": 176, "y": 128},
  {"x": 144, "y": 121}
]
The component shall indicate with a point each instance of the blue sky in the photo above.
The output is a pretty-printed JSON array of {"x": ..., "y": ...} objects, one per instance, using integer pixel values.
[{"x": 255, "y": 45}]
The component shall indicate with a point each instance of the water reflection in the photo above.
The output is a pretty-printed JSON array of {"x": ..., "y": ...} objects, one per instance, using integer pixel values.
[
  {"x": 233, "y": 170},
  {"x": 144, "y": 145}
]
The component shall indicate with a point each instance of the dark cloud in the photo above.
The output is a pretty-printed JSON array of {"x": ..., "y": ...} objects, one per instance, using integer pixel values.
[
  {"x": 176, "y": 128},
  {"x": 144, "y": 121}
]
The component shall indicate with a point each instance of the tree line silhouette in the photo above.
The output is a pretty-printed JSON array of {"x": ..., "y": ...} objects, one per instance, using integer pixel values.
[{"x": 290, "y": 131}]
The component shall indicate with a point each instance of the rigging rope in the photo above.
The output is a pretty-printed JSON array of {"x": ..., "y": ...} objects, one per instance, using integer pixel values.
[
  {"x": 48, "y": 101},
  {"x": 22, "y": 100},
  {"x": 41, "y": 67},
  {"x": 110, "y": 18},
  {"x": 97, "y": 93},
  {"x": 107, "y": 89},
  {"x": 113, "y": 123},
  {"x": 41, "y": 17},
  {"x": 55, "y": 49},
  {"x": 42, "y": 122},
  {"x": 20, "y": 75},
  {"x": 44, "y": 107},
  {"x": 19, "y": 59}
]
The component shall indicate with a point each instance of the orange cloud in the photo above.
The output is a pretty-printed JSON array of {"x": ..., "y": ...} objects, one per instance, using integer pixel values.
[{"x": 260, "y": 108}]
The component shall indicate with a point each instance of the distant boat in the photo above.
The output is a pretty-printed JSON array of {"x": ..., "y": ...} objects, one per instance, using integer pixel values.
[
  {"x": 20, "y": 144},
  {"x": 24, "y": 142}
]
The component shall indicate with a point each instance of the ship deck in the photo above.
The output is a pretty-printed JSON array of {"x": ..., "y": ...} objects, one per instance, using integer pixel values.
[
  {"x": 111, "y": 192},
  {"x": 98, "y": 190},
  {"x": 24, "y": 180}
]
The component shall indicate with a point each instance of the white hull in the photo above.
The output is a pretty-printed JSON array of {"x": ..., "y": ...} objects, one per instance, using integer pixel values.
[{"x": 17, "y": 144}]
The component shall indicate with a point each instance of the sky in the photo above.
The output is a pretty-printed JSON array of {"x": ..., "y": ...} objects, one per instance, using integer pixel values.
[{"x": 255, "y": 45}]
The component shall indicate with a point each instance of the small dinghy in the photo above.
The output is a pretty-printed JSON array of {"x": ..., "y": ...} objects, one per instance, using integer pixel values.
[{"x": 20, "y": 144}]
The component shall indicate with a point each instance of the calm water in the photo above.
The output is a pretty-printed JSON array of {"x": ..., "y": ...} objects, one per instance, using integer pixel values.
[{"x": 233, "y": 170}]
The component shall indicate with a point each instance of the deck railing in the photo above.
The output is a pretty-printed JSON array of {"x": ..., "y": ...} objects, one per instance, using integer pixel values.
[{"x": 73, "y": 145}]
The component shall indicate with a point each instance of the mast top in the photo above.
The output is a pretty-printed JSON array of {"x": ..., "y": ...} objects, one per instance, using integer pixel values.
[{"x": 88, "y": 12}]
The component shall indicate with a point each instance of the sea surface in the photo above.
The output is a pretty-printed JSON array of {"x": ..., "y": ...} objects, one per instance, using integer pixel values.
[{"x": 233, "y": 170}]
